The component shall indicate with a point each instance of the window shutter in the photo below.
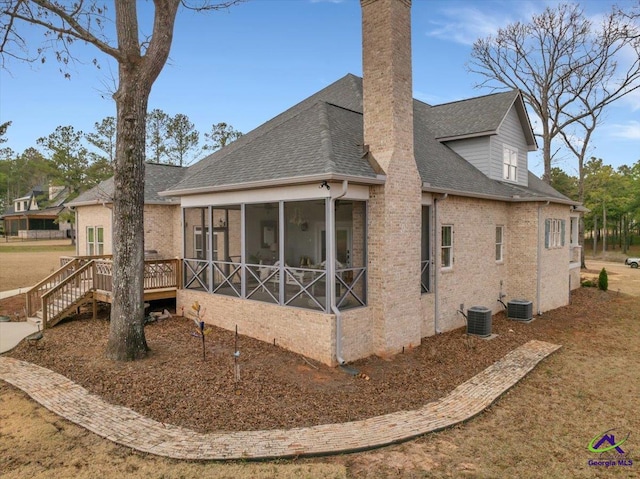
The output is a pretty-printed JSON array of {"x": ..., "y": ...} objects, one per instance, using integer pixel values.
[
  {"x": 562, "y": 231},
  {"x": 547, "y": 225}
]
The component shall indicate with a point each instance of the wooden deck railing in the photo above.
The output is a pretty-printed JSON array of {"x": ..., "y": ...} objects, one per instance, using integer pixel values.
[
  {"x": 158, "y": 274},
  {"x": 58, "y": 300},
  {"x": 34, "y": 295},
  {"x": 79, "y": 276}
]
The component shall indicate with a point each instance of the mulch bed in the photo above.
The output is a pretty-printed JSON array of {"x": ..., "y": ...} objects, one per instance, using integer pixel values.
[{"x": 277, "y": 388}]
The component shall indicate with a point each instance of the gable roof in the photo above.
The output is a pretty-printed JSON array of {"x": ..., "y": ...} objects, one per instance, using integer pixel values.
[
  {"x": 478, "y": 116},
  {"x": 322, "y": 138},
  {"x": 157, "y": 178}
]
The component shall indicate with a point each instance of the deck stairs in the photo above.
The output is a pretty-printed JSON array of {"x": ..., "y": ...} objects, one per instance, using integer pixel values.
[{"x": 61, "y": 293}]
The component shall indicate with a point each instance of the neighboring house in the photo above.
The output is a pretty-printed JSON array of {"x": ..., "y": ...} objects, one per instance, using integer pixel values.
[
  {"x": 35, "y": 215},
  {"x": 422, "y": 209},
  {"x": 94, "y": 210}
]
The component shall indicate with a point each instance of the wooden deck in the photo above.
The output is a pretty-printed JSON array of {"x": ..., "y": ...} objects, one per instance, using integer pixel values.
[{"x": 89, "y": 279}]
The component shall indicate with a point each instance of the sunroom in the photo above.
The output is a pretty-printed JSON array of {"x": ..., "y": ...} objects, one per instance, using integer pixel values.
[{"x": 274, "y": 245}]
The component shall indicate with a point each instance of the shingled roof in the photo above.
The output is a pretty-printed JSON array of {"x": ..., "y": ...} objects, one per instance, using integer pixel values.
[
  {"x": 157, "y": 178},
  {"x": 323, "y": 135}
]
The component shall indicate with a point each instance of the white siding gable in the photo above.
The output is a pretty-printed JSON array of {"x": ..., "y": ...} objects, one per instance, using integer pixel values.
[{"x": 509, "y": 135}]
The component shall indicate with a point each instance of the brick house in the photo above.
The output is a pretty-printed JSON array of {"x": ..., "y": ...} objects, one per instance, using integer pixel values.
[
  {"x": 359, "y": 220},
  {"x": 94, "y": 215}
]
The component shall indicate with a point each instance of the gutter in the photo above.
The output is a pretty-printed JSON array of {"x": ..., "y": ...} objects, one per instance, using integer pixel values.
[
  {"x": 331, "y": 269},
  {"x": 365, "y": 180},
  {"x": 436, "y": 269},
  {"x": 426, "y": 187}
]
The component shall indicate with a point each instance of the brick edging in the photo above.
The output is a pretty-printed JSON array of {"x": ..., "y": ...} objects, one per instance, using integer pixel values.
[{"x": 128, "y": 428}]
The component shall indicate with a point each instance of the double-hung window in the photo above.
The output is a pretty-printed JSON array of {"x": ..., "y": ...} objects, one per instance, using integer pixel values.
[
  {"x": 554, "y": 230},
  {"x": 510, "y": 163},
  {"x": 95, "y": 240},
  {"x": 446, "y": 260}
]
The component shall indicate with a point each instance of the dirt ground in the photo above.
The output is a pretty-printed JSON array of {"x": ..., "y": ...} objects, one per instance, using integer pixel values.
[
  {"x": 541, "y": 428},
  {"x": 621, "y": 277}
]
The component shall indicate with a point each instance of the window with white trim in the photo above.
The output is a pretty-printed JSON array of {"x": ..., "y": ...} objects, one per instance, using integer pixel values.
[
  {"x": 95, "y": 240},
  {"x": 446, "y": 246},
  {"x": 499, "y": 243},
  {"x": 554, "y": 231},
  {"x": 510, "y": 163}
]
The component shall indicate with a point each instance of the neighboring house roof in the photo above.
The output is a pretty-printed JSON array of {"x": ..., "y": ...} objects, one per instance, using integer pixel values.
[
  {"x": 157, "y": 178},
  {"x": 322, "y": 137},
  {"x": 48, "y": 212}
]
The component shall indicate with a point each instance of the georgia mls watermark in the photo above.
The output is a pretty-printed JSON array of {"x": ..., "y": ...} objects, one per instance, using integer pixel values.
[{"x": 608, "y": 446}]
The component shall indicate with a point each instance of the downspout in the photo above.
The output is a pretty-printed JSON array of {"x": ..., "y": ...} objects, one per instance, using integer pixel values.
[
  {"x": 539, "y": 261},
  {"x": 436, "y": 268},
  {"x": 331, "y": 256}
]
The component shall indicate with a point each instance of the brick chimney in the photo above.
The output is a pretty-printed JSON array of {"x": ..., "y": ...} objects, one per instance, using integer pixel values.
[{"x": 395, "y": 207}]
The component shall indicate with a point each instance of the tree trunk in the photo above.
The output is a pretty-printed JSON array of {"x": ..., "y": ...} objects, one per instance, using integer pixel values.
[
  {"x": 595, "y": 235},
  {"x": 126, "y": 334},
  {"x": 604, "y": 228},
  {"x": 137, "y": 73}
]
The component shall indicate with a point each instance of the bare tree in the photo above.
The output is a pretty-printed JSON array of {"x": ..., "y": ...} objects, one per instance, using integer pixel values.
[
  {"x": 140, "y": 61},
  {"x": 567, "y": 68}
]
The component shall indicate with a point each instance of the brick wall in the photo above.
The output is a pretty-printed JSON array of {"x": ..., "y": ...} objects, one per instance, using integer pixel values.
[
  {"x": 554, "y": 264},
  {"x": 475, "y": 276},
  {"x": 162, "y": 230},
  {"x": 303, "y": 331},
  {"x": 95, "y": 215}
]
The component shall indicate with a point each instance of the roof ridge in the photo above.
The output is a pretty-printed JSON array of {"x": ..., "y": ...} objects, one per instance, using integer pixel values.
[
  {"x": 515, "y": 90},
  {"x": 326, "y": 143}
]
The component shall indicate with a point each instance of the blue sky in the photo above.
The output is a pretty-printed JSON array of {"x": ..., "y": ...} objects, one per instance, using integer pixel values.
[{"x": 245, "y": 65}]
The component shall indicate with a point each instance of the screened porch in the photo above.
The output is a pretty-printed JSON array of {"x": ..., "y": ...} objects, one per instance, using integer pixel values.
[{"x": 276, "y": 252}]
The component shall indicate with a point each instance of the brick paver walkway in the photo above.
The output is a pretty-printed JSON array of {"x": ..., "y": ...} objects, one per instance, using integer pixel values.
[{"x": 126, "y": 427}]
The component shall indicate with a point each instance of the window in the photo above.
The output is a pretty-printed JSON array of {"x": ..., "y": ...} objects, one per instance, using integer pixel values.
[
  {"x": 499, "y": 243},
  {"x": 554, "y": 230},
  {"x": 425, "y": 252},
  {"x": 95, "y": 240},
  {"x": 510, "y": 158},
  {"x": 447, "y": 246},
  {"x": 200, "y": 245}
]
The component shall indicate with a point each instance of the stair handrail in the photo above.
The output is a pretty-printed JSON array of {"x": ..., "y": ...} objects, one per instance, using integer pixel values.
[
  {"x": 34, "y": 294},
  {"x": 63, "y": 284}
]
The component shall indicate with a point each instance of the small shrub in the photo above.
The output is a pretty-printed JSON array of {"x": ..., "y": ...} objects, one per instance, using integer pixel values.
[
  {"x": 588, "y": 283},
  {"x": 603, "y": 280}
]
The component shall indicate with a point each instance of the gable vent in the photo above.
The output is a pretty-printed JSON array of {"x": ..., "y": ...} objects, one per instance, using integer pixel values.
[
  {"x": 520, "y": 310},
  {"x": 479, "y": 321}
]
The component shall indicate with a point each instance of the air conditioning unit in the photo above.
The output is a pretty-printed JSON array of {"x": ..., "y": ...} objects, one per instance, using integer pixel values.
[
  {"x": 520, "y": 310},
  {"x": 479, "y": 321}
]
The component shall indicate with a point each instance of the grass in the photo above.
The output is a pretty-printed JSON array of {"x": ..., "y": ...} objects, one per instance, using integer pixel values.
[{"x": 16, "y": 248}]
